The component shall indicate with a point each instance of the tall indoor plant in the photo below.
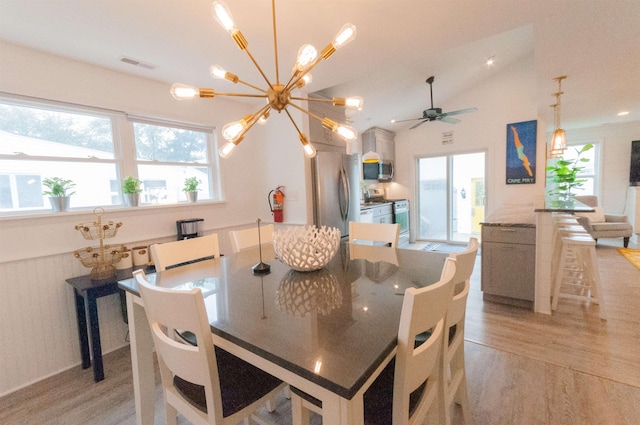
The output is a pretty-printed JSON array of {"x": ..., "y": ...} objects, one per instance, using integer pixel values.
[
  {"x": 564, "y": 173},
  {"x": 191, "y": 188},
  {"x": 58, "y": 192},
  {"x": 131, "y": 191}
]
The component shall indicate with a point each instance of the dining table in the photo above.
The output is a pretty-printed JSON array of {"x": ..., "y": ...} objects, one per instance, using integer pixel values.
[{"x": 328, "y": 332}]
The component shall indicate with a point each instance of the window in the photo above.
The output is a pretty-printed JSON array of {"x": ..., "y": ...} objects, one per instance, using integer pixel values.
[
  {"x": 166, "y": 156},
  {"x": 591, "y": 168},
  {"x": 40, "y": 139}
]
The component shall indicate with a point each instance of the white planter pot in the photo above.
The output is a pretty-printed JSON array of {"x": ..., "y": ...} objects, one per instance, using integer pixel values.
[
  {"x": 192, "y": 196},
  {"x": 59, "y": 203},
  {"x": 131, "y": 199}
]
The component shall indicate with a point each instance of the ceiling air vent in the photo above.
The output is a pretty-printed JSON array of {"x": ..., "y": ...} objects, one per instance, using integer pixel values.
[{"x": 136, "y": 62}]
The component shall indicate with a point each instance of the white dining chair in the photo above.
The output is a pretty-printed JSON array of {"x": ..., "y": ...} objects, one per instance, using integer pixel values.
[
  {"x": 414, "y": 374},
  {"x": 206, "y": 384},
  {"x": 171, "y": 254},
  {"x": 248, "y": 238},
  {"x": 374, "y": 232},
  {"x": 453, "y": 386}
]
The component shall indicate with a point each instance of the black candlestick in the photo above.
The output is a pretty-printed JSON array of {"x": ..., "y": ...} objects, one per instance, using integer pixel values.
[{"x": 260, "y": 268}]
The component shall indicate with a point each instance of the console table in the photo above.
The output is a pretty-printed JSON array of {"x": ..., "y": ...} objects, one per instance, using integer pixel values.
[{"x": 84, "y": 286}]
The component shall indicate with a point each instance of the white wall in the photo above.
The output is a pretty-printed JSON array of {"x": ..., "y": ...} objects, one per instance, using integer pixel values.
[
  {"x": 39, "y": 335},
  {"x": 502, "y": 99}
]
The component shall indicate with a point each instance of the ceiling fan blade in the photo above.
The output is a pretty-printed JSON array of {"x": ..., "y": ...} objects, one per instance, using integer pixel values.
[
  {"x": 461, "y": 111},
  {"x": 410, "y": 119},
  {"x": 445, "y": 118},
  {"x": 416, "y": 125}
]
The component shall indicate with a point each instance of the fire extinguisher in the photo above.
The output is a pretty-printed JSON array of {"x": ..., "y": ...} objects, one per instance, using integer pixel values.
[{"x": 278, "y": 203}]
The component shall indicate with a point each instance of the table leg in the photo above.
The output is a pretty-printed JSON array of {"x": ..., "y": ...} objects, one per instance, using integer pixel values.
[
  {"x": 94, "y": 326},
  {"x": 141, "y": 344},
  {"x": 81, "y": 317}
]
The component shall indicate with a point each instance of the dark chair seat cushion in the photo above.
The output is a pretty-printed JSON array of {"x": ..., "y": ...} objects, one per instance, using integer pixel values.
[
  {"x": 241, "y": 384},
  {"x": 378, "y": 399}
]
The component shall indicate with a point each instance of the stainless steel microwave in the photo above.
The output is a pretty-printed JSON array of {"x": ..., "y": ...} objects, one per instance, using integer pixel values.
[{"x": 381, "y": 171}]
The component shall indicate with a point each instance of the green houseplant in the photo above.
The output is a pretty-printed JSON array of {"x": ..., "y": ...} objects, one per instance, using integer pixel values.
[
  {"x": 131, "y": 191},
  {"x": 58, "y": 192},
  {"x": 564, "y": 173},
  {"x": 191, "y": 188}
]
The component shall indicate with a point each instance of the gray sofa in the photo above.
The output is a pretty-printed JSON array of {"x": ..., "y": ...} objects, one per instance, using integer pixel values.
[{"x": 601, "y": 225}]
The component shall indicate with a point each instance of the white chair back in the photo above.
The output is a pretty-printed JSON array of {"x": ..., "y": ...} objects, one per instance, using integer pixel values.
[
  {"x": 453, "y": 386},
  {"x": 173, "y": 253},
  {"x": 248, "y": 238},
  {"x": 374, "y": 232},
  {"x": 423, "y": 309}
]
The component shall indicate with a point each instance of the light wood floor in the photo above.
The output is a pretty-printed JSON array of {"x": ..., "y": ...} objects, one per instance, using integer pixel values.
[{"x": 523, "y": 368}]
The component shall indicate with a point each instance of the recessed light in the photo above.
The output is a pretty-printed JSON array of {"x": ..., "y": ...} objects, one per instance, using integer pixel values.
[
  {"x": 490, "y": 61},
  {"x": 623, "y": 113}
]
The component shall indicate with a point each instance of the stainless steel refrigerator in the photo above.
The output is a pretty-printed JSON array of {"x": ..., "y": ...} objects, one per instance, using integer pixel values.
[{"x": 336, "y": 189}]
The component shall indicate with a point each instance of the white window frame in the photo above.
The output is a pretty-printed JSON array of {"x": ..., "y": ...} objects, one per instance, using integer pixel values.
[{"x": 124, "y": 149}]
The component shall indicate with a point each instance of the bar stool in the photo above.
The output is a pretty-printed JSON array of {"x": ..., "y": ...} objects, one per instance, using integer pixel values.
[{"x": 578, "y": 271}]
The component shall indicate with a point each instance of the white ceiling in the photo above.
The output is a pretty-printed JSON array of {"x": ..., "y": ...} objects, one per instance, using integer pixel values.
[{"x": 399, "y": 44}]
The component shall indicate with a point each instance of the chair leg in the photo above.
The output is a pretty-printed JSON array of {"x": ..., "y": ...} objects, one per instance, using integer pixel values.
[
  {"x": 299, "y": 414},
  {"x": 626, "y": 242},
  {"x": 171, "y": 414}
]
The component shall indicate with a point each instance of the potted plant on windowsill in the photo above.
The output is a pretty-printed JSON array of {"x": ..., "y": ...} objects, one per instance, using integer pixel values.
[
  {"x": 58, "y": 192},
  {"x": 564, "y": 173},
  {"x": 131, "y": 191},
  {"x": 191, "y": 188}
]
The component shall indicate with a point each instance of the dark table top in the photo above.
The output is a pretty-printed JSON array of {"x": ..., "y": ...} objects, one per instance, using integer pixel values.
[{"x": 333, "y": 326}]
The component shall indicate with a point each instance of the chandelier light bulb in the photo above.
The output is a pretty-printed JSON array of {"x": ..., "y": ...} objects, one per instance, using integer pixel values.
[
  {"x": 309, "y": 150},
  {"x": 347, "y": 34},
  {"x": 306, "y": 80},
  {"x": 348, "y": 133},
  {"x": 183, "y": 91},
  {"x": 226, "y": 150},
  {"x": 354, "y": 102},
  {"x": 221, "y": 13},
  {"x": 233, "y": 130},
  {"x": 307, "y": 55},
  {"x": 264, "y": 118}
]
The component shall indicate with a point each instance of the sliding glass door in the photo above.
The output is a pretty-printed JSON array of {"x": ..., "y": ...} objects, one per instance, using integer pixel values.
[{"x": 451, "y": 197}]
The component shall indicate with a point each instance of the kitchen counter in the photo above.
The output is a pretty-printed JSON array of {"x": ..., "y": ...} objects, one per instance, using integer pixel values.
[{"x": 367, "y": 205}]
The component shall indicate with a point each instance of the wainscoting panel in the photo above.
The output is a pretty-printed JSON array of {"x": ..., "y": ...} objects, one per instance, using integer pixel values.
[{"x": 37, "y": 310}]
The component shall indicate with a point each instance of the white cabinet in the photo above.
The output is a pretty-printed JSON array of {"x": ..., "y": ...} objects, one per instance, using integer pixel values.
[
  {"x": 319, "y": 134},
  {"x": 379, "y": 141},
  {"x": 509, "y": 264}
]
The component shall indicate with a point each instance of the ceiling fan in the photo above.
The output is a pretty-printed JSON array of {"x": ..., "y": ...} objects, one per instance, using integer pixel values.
[{"x": 436, "y": 114}]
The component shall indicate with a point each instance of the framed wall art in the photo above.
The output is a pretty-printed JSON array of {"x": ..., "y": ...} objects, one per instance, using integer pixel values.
[{"x": 521, "y": 152}]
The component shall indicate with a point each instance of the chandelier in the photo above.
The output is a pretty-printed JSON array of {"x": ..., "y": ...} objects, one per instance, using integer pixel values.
[
  {"x": 559, "y": 139},
  {"x": 278, "y": 96}
]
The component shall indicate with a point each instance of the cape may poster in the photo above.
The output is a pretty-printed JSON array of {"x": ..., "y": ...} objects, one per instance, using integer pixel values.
[{"x": 521, "y": 152}]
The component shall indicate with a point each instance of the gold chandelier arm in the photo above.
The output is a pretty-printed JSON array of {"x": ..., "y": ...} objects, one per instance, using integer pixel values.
[
  {"x": 312, "y": 99},
  {"x": 311, "y": 114},
  {"x": 292, "y": 120},
  {"x": 275, "y": 39},
  {"x": 309, "y": 150},
  {"x": 297, "y": 76},
  {"x": 260, "y": 96},
  {"x": 252, "y": 86},
  {"x": 255, "y": 63}
]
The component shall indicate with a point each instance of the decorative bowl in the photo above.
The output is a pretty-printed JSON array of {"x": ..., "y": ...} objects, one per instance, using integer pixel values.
[{"x": 307, "y": 248}]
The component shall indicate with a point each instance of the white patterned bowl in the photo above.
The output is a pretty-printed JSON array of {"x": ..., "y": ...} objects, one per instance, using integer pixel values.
[{"x": 306, "y": 248}]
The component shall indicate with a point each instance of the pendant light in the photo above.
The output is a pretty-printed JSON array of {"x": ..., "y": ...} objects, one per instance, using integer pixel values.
[{"x": 559, "y": 140}]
